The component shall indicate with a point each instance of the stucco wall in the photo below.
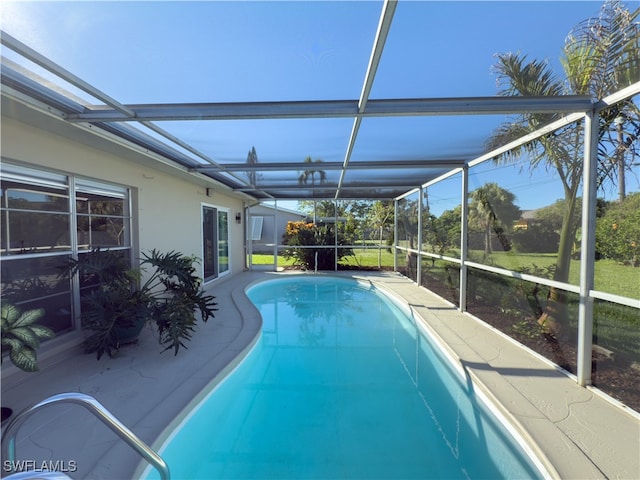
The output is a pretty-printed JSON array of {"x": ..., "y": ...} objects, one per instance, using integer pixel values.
[
  {"x": 167, "y": 206},
  {"x": 272, "y": 232}
]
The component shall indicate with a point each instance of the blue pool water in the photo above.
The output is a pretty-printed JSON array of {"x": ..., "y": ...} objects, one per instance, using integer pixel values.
[{"x": 341, "y": 385}]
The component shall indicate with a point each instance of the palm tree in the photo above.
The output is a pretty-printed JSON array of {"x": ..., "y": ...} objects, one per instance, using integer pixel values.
[
  {"x": 310, "y": 173},
  {"x": 613, "y": 40},
  {"x": 492, "y": 206},
  {"x": 600, "y": 56}
]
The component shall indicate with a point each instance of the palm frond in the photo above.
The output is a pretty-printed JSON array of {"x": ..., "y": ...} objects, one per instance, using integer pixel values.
[
  {"x": 518, "y": 76},
  {"x": 602, "y": 55},
  {"x": 505, "y": 134}
]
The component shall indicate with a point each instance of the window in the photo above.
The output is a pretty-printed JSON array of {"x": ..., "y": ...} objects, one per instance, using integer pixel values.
[
  {"x": 256, "y": 227},
  {"x": 215, "y": 241},
  {"x": 46, "y": 218},
  {"x": 102, "y": 216}
]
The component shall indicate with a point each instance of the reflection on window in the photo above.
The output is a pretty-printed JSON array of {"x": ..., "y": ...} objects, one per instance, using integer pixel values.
[
  {"x": 101, "y": 220},
  {"x": 35, "y": 218},
  {"x": 223, "y": 241},
  {"x": 37, "y": 239},
  {"x": 21, "y": 196},
  {"x": 35, "y": 282}
]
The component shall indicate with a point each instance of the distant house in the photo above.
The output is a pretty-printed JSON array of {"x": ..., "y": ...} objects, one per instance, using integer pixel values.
[
  {"x": 524, "y": 222},
  {"x": 267, "y": 226}
]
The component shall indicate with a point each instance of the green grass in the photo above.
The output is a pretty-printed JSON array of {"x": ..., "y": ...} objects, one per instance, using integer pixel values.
[
  {"x": 615, "y": 326},
  {"x": 619, "y": 279},
  {"x": 362, "y": 258},
  {"x": 369, "y": 258},
  {"x": 267, "y": 259},
  {"x": 610, "y": 277}
]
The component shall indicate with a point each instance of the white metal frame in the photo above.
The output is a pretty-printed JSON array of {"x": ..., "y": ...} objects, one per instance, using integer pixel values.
[{"x": 109, "y": 120}]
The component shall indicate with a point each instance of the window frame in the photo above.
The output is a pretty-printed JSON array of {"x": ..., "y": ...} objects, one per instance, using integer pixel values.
[
  {"x": 217, "y": 273},
  {"x": 72, "y": 185}
]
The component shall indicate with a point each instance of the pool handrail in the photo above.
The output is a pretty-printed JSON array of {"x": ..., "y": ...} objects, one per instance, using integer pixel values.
[{"x": 98, "y": 410}]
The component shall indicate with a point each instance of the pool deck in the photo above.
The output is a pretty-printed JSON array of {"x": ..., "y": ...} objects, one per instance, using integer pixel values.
[{"x": 579, "y": 433}]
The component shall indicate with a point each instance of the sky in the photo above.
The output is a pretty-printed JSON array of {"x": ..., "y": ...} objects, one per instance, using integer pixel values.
[{"x": 214, "y": 51}]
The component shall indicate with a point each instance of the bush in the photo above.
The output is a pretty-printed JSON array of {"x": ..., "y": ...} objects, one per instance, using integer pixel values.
[
  {"x": 618, "y": 231},
  {"x": 301, "y": 234},
  {"x": 538, "y": 238}
]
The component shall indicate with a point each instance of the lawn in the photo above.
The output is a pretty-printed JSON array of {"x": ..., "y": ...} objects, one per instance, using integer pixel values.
[
  {"x": 610, "y": 276},
  {"x": 267, "y": 259},
  {"x": 362, "y": 258}
]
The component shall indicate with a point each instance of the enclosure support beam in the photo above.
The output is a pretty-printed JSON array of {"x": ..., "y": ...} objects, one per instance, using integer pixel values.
[
  {"x": 275, "y": 237},
  {"x": 587, "y": 250},
  {"x": 463, "y": 239},
  {"x": 245, "y": 235},
  {"x": 419, "y": 255},
  {"x": 335, "y": 235},
  {"x": 388, "y": 10},
  {"x": 395, "y": 235}
]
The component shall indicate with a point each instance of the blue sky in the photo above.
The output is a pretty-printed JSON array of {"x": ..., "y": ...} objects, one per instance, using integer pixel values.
[
  {"x": 237, "y": 51},
  {"x": 213, "y": 51}
]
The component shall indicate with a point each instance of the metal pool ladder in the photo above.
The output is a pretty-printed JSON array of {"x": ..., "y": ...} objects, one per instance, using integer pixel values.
[{"x": 99, "y": 411}]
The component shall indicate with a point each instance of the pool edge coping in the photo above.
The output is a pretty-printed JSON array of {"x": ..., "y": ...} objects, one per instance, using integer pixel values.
[{"x": 558, "y": 468}]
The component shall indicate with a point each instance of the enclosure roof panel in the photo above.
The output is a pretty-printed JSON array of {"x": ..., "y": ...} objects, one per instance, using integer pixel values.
[{"x": 338, "y": 99}]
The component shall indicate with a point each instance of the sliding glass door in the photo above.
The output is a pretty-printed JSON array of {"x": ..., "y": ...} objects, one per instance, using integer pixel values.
[{"x": 215, "y": 241}]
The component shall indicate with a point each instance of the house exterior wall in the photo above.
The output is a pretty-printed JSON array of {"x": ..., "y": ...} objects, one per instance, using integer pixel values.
[
  {"x": 166, "y": 208},
  {"x": 272, "y": 225}
]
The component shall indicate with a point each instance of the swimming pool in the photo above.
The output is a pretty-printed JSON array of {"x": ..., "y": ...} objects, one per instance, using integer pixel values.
[{"x": 342, "y": 384}]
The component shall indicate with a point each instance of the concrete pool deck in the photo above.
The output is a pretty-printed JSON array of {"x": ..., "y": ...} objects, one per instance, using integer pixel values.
[{"x": 580, "y": 433}]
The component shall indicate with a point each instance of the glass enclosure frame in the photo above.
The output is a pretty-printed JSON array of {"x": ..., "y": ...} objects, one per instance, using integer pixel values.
[{"x": 414, "y": 253}]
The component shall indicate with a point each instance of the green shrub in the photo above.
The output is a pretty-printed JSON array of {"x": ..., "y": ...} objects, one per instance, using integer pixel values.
[
  {"x": 618, "y": 231},
  {"x": 301, "y": 234},
  {"x": 538, "y": 238}
]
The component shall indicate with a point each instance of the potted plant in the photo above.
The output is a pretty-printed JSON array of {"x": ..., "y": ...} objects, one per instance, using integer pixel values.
[
  {"x": 119, "y": 300},
  {"x": 20, "y": 337}
]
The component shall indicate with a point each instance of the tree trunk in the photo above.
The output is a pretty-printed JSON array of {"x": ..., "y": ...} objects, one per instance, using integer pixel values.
[
  {"x": 555, "y": 318},
  {"x": 620, "y": 162},
  {"x": 487, "y": 239}
]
